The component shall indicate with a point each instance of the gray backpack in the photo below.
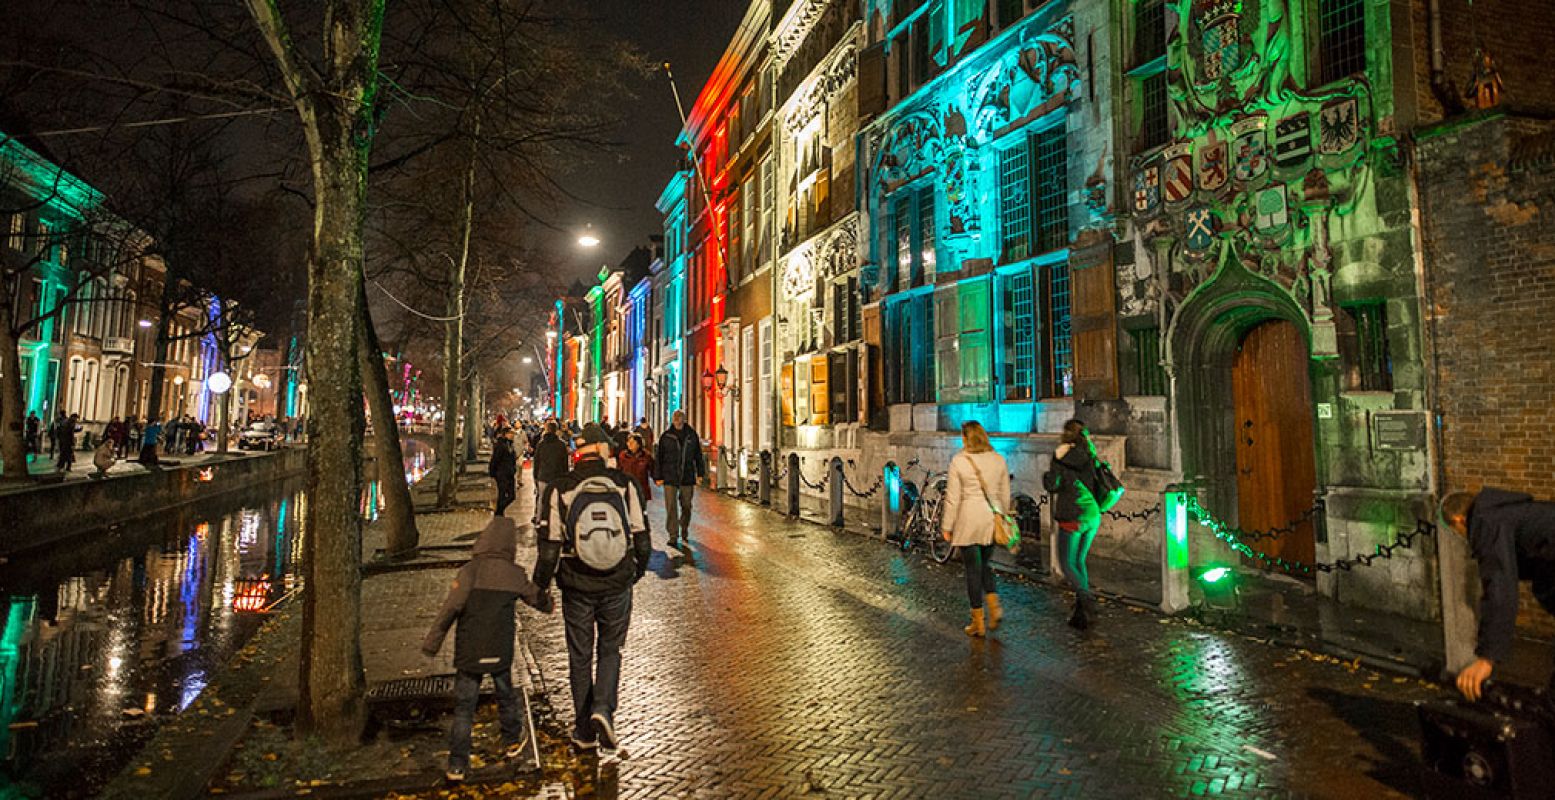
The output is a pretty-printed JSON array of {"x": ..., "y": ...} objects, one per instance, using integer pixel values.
[{"x": 596, "y": 531}]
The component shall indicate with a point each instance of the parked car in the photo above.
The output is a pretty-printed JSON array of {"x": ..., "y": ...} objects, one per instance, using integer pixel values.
[{"x": 260, "y": 436}]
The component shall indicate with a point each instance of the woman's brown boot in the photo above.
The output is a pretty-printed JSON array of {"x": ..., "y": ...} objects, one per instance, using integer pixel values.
[
  {"x": 995, "y": 613},
  {"x": 976, "y": 628}
]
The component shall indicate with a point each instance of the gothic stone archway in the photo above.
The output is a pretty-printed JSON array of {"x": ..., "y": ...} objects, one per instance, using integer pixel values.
[{"x": 1235, "y": 408}]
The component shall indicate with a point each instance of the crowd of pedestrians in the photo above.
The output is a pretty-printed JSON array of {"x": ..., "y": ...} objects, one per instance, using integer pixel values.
[
  {"x": 120, "y": 438},
  {"x": 593, "y": 483}
]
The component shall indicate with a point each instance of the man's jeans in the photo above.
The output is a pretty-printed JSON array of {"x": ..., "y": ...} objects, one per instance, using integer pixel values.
[
  {"x": 506, "y": 494},
  {"x": 678, "y": 524},
  {"x": 586, "y": 615},
  {"x": 467, "y": 694}
]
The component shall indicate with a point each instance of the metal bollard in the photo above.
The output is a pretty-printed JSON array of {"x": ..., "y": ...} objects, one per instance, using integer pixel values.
[
  {"x": 741, "y": 469},
  {"x": 890, "y": 499},
  {"x": 764, "y": 487},
  {"x": 722, "y": 472},
  {"x": 793, "y": 484},
  {"x": 835, "y": 470},
  {"x": 1174, "y": 550}
]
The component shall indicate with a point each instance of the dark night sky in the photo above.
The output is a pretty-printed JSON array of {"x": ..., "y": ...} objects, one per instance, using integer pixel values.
[{"x": 620, "y": 188}]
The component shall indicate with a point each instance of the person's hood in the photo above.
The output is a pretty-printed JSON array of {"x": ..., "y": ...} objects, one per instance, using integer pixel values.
[
  {"x": 1490, "y": 498},
  {"x": 499, "y": 540}
]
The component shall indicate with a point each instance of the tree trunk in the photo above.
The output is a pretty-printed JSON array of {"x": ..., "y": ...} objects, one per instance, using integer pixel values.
[
  {"x": 332, "y": 682},
  {"x": 335, "y": 107},
  {"x": 453, "y": 340},
  {"x": 13, "y": 414},
  {"x": 397, "y": 513},
  {"x": 224, "y": 400},
  {"x": 158, "y": 368},
  {"x": 474, "y": 417}
]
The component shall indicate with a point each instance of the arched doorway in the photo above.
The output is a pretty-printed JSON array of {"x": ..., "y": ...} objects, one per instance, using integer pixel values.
[
  {"x": 1242, "y": 366},
  {"x": 1276, "y": 471}
]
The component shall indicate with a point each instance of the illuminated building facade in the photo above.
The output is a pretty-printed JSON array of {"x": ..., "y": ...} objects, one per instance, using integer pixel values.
[
  {"x": 730, "y": 214},
  {"x": 823, "y": 363}
]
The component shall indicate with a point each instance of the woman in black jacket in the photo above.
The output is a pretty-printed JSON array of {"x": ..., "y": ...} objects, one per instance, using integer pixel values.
[{"x": 1071, "y": 481}]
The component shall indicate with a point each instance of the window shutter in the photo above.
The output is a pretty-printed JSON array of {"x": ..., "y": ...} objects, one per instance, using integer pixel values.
[
  {"x": 871, "y": 82},
  {"x": 1094, "y": 318},
  {"x": 820, "y": 400},
  {"x": 975, "y": 355},
  {"x": 786, "y": 400}
]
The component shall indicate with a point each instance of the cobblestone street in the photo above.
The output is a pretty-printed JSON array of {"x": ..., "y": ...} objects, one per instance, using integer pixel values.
[{"x": 779, "y": 657}]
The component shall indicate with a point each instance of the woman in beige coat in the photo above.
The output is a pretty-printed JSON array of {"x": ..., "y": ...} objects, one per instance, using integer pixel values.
[{"x": 979, "y": 479}]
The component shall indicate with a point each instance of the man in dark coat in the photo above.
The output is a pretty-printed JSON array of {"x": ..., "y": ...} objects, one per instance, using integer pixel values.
[
  {"x": 1512, "y": 536},
  {"x": 482, "y": 601},
  {"x": 34, "y": 434},
  {"x": 681, "y": 464},
  {"x": 550, "y": 461},
  {"x": 596, "y": 597},
  {"x": 503, "y": 469}
]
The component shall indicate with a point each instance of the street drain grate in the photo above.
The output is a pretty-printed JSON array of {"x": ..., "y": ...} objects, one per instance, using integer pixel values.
[{"x": 410, "y": 701}]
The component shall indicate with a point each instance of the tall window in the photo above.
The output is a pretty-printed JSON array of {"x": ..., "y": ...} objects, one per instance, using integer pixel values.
[
  {"x": 16, "y": 232},
  {"x": 1059, "y": 340},
  {"x": 1149, "y": 377},
  {"x": 1010, "y": 11},
  {"x": 1014, "y": 203},
  {"x": 1049, "y": 185},
  {"x": 1149, "y": 73},
  {"x": 1341, "y": 33},
  {"x": 845, "y": 311},
  {"x": 1363, "y": 347},
  {"x": 1020, "y": 337},
  {"x": 912, "y": 212},
  {"x": 1149, "y": 31},
  {"x": 768, "y": 211}
]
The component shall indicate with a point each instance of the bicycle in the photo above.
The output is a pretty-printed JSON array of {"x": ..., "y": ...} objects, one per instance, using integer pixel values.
[{"x": 925, "y": 510}]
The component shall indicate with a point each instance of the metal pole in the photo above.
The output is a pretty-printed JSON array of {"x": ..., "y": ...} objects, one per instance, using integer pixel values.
[{"x": 836, "y": 487}]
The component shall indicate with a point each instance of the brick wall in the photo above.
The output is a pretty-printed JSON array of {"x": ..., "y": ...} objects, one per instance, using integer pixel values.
[
  {"x": 1518, "y": 35},
  {"x": 1488, "y": 204}
]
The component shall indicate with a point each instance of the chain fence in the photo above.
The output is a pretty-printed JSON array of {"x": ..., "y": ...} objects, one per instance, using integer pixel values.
[{"x": 1231, "y": 537}]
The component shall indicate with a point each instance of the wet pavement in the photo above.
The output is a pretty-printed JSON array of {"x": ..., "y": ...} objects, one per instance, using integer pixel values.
[
  {"x": 777, "y": 658},
  {"x": 107, "y": 637}
]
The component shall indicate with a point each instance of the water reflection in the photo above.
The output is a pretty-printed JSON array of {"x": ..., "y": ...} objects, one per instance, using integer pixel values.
[
  {"x": 95, "y": 636},
  {"x": 105, "y": 639}
]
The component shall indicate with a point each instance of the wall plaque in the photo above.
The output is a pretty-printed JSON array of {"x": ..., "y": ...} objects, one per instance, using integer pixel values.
[{"x": 1398, "y": 430}]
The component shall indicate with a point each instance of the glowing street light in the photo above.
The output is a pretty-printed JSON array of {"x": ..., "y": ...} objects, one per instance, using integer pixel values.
[
  {"x": 145, "y": 323},
  {"x": 529, "y": 359},
  {"x": 588, "y": 240}
]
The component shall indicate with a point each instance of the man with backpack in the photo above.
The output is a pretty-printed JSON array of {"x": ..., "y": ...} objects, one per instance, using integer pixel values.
[
  {"x": 593, "y": 538},
  {"x": 681, "y": 465}
]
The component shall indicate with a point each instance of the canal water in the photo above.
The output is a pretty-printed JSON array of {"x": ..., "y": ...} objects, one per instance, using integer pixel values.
[{"x": 108, "y": 637}]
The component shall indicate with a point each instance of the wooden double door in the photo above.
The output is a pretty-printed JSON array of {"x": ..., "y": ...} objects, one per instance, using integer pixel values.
[{"x": 1276, "y": 471}]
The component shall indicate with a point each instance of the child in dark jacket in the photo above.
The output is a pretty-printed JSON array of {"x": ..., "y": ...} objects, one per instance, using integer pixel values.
[{"x": 483, "y": 599}]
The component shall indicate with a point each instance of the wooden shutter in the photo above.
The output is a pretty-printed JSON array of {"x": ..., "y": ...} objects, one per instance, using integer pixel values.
[
  {"x": 1094, "y": 317},
  {"x": 820, "y": 398},
  {"x": 786, "y": 399},
  {"x": 871, "y": 82},
  {"x": 976, "y": 356}
]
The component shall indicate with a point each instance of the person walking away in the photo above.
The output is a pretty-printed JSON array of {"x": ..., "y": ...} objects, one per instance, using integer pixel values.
[
  {"x": 1512, "y": 536},
  {"x": 482, "y": 601},
  {"x": 977, "y": 487},
  {"x": 636, "y": 461},
  {"x": 550, "y": 460},
  {"x": 66, "y": 435},
  {"x": 644, "y": 430},
  {"x": 680, "y": 465},
  {"x": 503, "y": 469},
  {"x": 1072, "y": 483},
  {"x": 33, "y": 433},
  {"x": 593, "y": 538},
  {"x": 148, "y": 441}
]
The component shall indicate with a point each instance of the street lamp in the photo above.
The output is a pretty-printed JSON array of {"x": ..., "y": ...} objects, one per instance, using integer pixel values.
[
  {"x": 528, "y": 359},
  {"x": 718, "y": 382},
  {"x": 588, "y": 239}
]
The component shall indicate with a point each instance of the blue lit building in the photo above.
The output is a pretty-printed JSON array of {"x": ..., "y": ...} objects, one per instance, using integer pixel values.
[{"x": 665, "y": 385}]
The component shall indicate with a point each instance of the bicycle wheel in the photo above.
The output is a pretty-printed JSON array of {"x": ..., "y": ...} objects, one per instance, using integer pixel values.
[{"x": 939, "y": 549}]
